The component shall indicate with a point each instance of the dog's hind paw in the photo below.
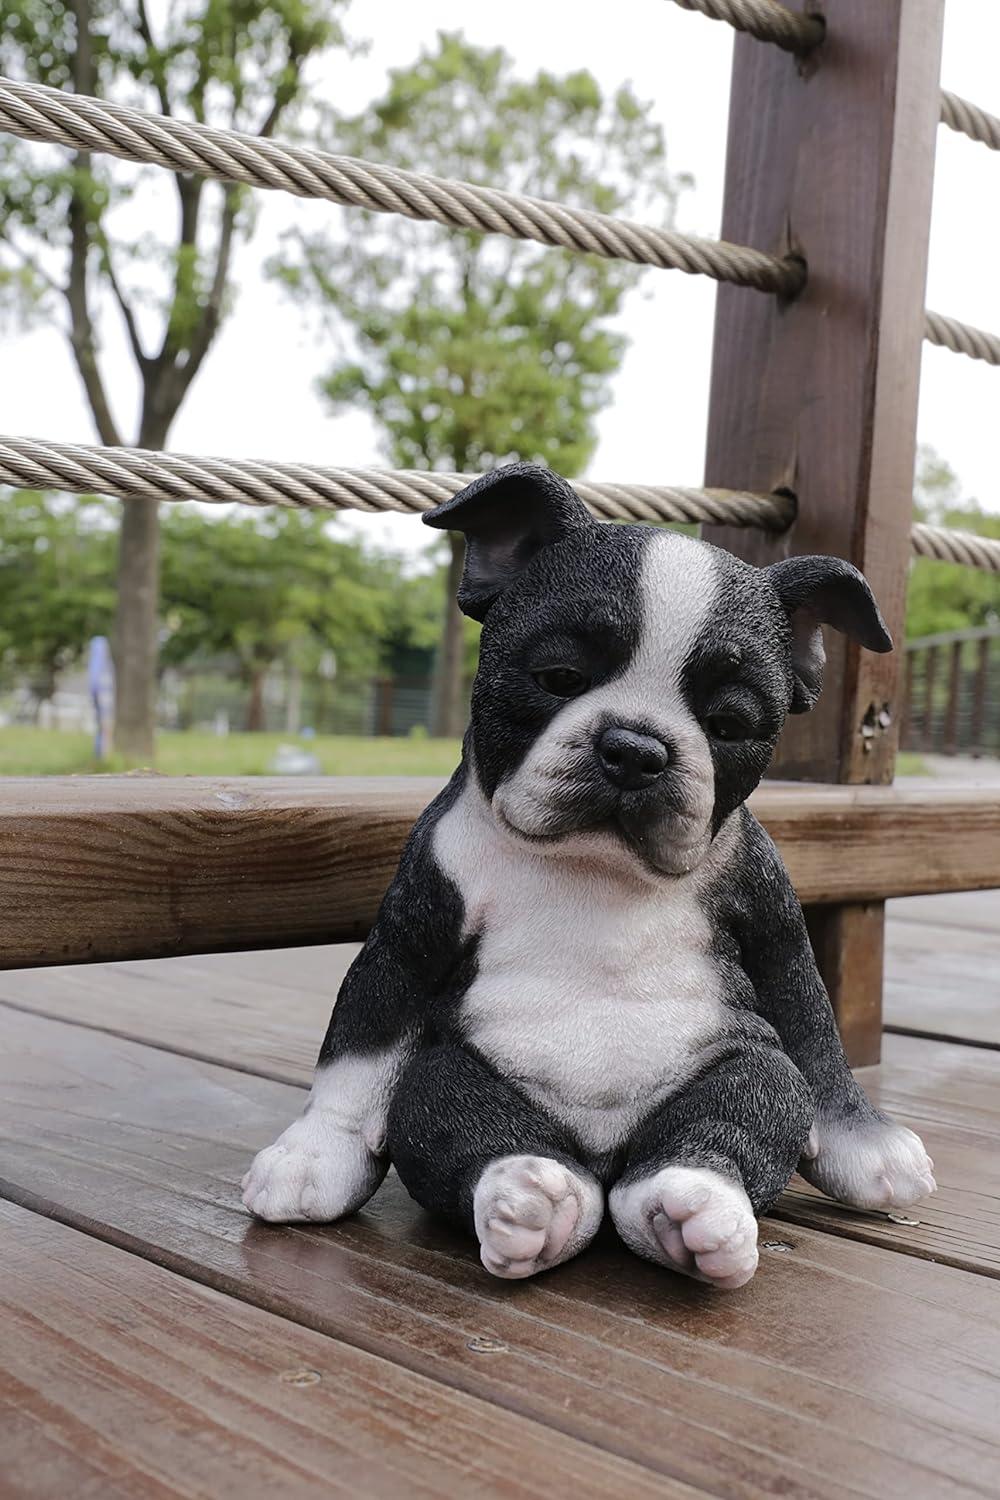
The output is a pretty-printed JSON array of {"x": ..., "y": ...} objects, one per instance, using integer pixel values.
[
  {"x": 532, "y": 1213},
  {"x": 692, "y": 1220}
]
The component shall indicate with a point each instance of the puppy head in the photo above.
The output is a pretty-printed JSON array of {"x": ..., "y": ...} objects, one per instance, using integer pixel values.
[{"x": 632, "y": 682}]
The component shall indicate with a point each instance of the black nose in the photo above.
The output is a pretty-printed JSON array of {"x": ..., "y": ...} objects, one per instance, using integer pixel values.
[{"x": 631, "y": 760}]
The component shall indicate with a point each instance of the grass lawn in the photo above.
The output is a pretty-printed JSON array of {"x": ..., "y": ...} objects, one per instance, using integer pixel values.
[{"x": 43, "y": 752}]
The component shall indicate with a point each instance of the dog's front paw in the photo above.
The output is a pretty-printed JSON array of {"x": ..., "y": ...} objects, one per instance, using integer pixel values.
[
  {"x": 532, "y": 1213},
  {"x": 873, "y": 1164},
  {"x": 692, "y": 1220},
  {"x": 316, "y": 1170}
]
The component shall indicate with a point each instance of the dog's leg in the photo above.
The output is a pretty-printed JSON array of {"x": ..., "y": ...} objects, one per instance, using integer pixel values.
[
  {"x": 332, "y": 1158},
  {"x": 855, "y": 1152},
  {"x": 469, "y": 1146},
  {"x": 713, "y": 1157}
]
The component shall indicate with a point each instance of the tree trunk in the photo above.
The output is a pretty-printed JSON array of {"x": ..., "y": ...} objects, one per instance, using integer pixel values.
[
  {"x": 449, "y": 708},
  {"x": 255, "y": 708},
  {"x": 135, "y": 639}
]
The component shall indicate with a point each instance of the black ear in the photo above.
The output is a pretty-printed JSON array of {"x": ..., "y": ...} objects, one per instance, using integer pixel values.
[
  {"x": 824, "y": 591},
  {"x": 507, "y": 516}
]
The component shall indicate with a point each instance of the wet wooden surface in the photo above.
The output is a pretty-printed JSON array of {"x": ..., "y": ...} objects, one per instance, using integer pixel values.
[
  {"x": 864, "y": 1358},
  {"x": 121, "y": 1378}
]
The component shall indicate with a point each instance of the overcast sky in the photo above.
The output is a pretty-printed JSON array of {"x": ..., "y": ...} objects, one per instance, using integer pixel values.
[{"x": 256, "y": 396}]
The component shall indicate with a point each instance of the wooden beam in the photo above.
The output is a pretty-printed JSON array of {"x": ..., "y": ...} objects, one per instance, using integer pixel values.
[
  {"x": 832, "y": 157},
  {"x": 117, "y": 867}
]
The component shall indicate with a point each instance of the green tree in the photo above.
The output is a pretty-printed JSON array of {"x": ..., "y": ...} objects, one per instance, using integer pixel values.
[
  {"x": 269, "y": 589},
  {"x": 56, "y": 584},
  {"x": 66, "y": 257},
  {"x": 945, "y": 596},
  {"x": 470, "y": 350}
]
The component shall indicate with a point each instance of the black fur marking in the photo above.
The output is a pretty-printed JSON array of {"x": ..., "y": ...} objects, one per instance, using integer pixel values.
[
  {"x": 741, "y": 665},
  {"x": 747, "y": 1115},
  {"x": 451, "y": 1116},
  {"x": 415, "y": 958},
  {"x": 757, "y": 913},
  {"x": 507, "y": 516},
  {"x": 576, "y": 604}
]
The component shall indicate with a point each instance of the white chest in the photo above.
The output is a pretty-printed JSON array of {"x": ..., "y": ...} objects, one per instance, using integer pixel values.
[{"x": 595, "y": 992}]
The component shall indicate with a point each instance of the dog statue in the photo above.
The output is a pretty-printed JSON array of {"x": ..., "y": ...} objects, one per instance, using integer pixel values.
[{"x": 590, "y": 975}]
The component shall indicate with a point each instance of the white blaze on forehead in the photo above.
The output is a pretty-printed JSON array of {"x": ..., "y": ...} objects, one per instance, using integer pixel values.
[{"x": 679, "y": 586}]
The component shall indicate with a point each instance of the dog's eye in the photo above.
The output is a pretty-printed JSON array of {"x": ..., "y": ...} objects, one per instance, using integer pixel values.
[
  {"x": 726, "y": 727},
  {"x": 562, "y": 682}
]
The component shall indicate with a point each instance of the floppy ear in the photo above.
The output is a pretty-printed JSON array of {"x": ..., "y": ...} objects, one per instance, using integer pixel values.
[
  {"x": 824, "y": 591},
  {"x": 507, "y": 517}
]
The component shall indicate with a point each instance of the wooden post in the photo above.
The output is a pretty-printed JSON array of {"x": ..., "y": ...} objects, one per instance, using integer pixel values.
[
  {"x": 930, "y": 677},
  {"x": 954, "y": 698},
  {"x": 979, "y": 692},
  {"x": 832, "y": 157},
  {"x": 383, "y": 723},
  {"x": 906, "y": 725}
]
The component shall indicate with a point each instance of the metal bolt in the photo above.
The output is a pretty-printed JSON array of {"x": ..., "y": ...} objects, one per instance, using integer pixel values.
[{"x": 300, "y": 1377}]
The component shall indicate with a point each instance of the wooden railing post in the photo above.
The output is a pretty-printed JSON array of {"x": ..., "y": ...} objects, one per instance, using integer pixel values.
[
  {"x": 832, "y": 157},
  {"x": 954, "y": 698},
  {"x": 979, "y": 692},
  {"x": 930, "y": 714}
]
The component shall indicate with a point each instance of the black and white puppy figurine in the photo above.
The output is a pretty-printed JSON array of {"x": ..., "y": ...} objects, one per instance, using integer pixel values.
[{"x": 591, "y": 975}]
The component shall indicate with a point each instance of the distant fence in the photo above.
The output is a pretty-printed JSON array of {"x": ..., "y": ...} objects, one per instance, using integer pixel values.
[
  {"x": 952, "y": 695},
  {"x": 369, "y": 705},
  {"x": 213, "y": 698}
]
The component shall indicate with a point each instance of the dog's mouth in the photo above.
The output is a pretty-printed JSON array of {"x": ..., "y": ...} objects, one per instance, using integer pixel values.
[{"x": 664, "y": 840}]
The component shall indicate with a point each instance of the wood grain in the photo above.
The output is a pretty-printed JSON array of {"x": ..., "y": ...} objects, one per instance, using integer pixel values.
[
  {"x": 122, "y": 1379},
  {"x": 823, "y": 1378},
  {"x": 833, "y": 158},
  {"x": 848, "y": 943},
  {"x": 263, "y": 1012},
  {"x": 943, "y": 967},
  {"x": 271, "y": 1025},
  {"x": 950, "y": 1095},
  {"x": 140, "y": 867}
]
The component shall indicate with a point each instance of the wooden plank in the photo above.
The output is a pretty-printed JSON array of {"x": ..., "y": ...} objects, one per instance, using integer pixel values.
[
  {"x": 832, "y": 159},
  {"x": 950, "y": 1095},
  {"x": 263, "y": 1013},
  {"x": 275, "y": 1032},
  {"x": 826, "y": 1377},
  {"x": 120, "y": 1378},
  {"x": 943, "y": 977},
  {"x": 848, "y": 943},
  {"x": 117, "y": 867},
  {"x": 943, "y": 966}
]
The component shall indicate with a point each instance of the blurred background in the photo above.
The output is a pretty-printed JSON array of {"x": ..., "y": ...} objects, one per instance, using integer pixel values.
[{"x": 142, "y": 309}]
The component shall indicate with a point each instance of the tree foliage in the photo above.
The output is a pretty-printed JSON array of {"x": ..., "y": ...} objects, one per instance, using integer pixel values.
[
  {"x": 56, "y": 583},
  {"x": 268, "y": 588},
  {"x": 262, "y": 590},
  {"x": 470, "y": 350},
  {"x": 945, "y": 596},
  {"x": 82, "y": 238}
]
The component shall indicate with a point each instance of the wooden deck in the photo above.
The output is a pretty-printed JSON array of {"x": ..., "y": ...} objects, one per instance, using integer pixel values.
[{"x": 157, "y": 1343}]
